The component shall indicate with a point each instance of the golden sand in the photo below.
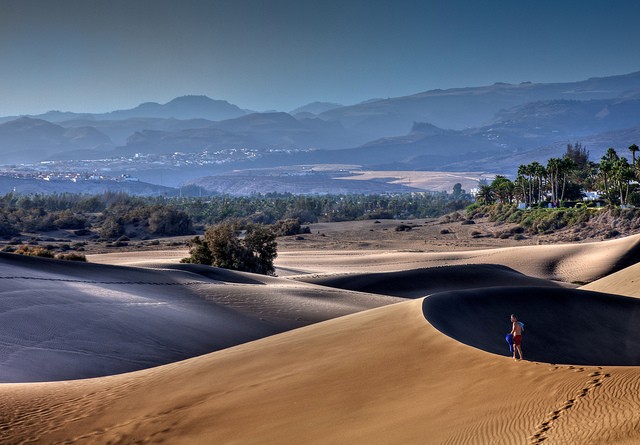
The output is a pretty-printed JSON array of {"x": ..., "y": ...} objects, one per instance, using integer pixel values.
[{"x": 418, "y": 371}]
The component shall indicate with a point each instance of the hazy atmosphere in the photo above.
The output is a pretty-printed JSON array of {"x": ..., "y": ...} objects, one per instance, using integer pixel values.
[{"x": 95, "y": 56}]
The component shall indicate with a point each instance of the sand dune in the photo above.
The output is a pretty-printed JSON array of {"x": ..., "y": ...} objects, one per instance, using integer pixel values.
[
  {"x": 139, "y": 257},
  {"x": 381, "y": 376},
  {"x": 433, "y": 370},
  {"x": 571, "y": 263},
  {"x": 625, "y": 282},
  {"x": 64, "y": 320},
  {"x": 414, "y": 283}
]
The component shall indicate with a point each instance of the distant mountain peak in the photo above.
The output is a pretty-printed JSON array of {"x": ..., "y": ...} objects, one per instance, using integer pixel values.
[
  {"x": 183, "y": 107},
  {"x": 195, "y": 100},
  {"x": 427, "y": 129},
  {"x": 316, "y": 108}
]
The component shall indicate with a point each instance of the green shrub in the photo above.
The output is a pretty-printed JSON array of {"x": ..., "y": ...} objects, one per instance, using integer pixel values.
[
  {"x": 223, "y": 246},
  {"x": 288, "y": 227},
  {"x": 472, "y": 210}
]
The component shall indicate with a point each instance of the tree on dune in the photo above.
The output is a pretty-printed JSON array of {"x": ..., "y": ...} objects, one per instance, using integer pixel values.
[{"x": 251, "y": 248}]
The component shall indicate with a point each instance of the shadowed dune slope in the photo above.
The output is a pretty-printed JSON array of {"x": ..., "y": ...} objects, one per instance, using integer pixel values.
[
  {"x": 561, "y": 325},
  {"x": 414, "y": 283},
  {"x": 214, "y": 273},
  {"x": 64, "y": 320},
  {"x": 379, "y": 376},
  {"x": 571, "y": 263},
  {"x": 625, "y": 282}
]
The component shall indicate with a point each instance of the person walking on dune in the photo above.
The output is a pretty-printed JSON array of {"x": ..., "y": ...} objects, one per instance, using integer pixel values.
[{"x": 516, "y": 331}]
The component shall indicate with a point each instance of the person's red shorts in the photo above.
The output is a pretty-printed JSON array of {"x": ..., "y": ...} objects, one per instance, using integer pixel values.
[{"x": 517, "y": 339}]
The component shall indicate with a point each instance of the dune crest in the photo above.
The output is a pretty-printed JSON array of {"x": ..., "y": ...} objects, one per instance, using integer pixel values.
[
  {"x": 414, "y": 283},
  {"x": 569, "y": 263},
  {"x": 624, "y": 282}
]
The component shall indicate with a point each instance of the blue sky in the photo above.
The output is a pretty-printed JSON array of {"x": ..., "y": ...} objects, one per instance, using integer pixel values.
[{"x": 92, "y": 56}]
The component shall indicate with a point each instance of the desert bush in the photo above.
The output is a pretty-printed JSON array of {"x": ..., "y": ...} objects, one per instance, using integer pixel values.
[
  {"x": 287, "y": 227},
  {"x": 36, "y": 220},
  {"x": 68, "y": 220},
  {"x": 34, "y": 251},
  {"x": 168, "y": 221},
  {"x": 111, "y": 228},
  {"x": 472, "y": 210},
  {"x": 7, "y": 229},
  {"x": 611, "y": 233},
  {"x": 199, "y": 252},
  {"x": 73, "y": 256}
]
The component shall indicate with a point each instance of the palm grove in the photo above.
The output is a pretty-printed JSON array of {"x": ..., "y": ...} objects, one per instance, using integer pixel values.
[{"x": 567, "y": 178}]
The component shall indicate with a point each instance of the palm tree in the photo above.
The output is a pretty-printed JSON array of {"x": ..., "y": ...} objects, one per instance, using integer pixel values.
[
  {"x": 520, "y": 189},
  {"x": 554, "y": 166},
  {"x": 634, "y": 149},
  {"x": 503, "y": 188},
  {"x": 622, "y": 173},
  {"x": 485, "y": 194},
  {"x": 539, "y": 172},
  {"x": 611, "y": 154},
  {"x": 567, "y": 165},
  {"x": 525, "y": 177},
  {"x": 606, "y": 169}
]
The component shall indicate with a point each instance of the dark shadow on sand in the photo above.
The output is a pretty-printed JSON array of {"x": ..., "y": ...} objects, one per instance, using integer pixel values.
[
  {"x": 565, "y": 326},
  {"x": 416, "y": 283}
]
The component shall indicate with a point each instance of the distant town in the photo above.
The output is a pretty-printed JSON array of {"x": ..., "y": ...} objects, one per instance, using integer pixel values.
[{"x": 124, "y": 168}]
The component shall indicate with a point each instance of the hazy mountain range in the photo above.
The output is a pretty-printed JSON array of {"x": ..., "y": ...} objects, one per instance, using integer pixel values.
[{"x": 478, "y": 128}]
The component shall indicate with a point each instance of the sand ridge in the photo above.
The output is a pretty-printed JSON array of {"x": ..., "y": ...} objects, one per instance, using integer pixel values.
[
  {"x": 624, "y": 282},
  {"x": 414, "y": 283},
  {"x": 571, "y": 263}
]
